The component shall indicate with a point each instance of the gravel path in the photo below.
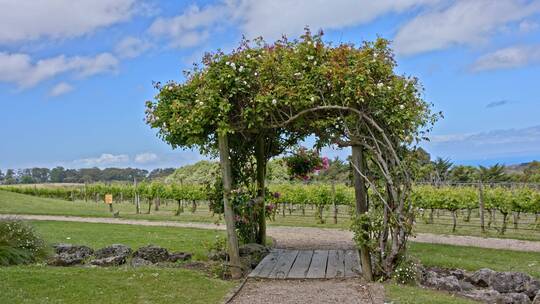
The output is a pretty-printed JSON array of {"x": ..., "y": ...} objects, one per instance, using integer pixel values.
[
  {"x": 306, "y": 237},
  {"x": 351, "y": 291}
]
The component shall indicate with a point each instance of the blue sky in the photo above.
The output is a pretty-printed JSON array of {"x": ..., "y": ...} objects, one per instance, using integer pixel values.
[{"x": 74, "y": 75}]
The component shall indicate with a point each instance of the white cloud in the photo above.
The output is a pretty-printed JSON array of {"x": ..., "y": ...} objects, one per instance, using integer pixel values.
[
  {"x": 104, "y": 159},
  {"x": 31, "y": 20},
  {"x": 272, "y": 18},
  {"x": 507, "y": 58},
  {"x": 191, "y": 27},
  {"x": 465, "y": 22},
  {"x": 131, "y": 47},
  {"x": 526, "y": 26},
  {"x": 18, "y": 68},
  {"x": 60, "y": 89},
  {"x": 496, "y": 143},
  {"x": 145, "y": 158}
]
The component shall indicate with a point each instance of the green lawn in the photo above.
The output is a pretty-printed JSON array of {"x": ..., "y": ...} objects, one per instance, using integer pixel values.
[
  {"x": 101, "y": 235},
  {"x": 25, "y": 204},
  {"x": 42, "y": 284},
  {"x": 473, "y": 258},
  {"x": 45, "y": 284},
  {"x": 468, "y": 258},
  {"x": 38, "y": 284},
  {"x": 402, "y": 294}
]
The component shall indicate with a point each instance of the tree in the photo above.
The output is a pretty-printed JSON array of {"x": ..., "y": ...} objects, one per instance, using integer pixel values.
[
  {"x": 9, "y": 178},
  {"x": 492, "y": 174},
  {"x": 57, "y": 175},
  {"x": 463, "y": 174},
  {"x": 253, "y": 104},
  {"x": 350, "y": 96},
  {"x": 40, "y": 175},
  {"x": 441, "y": 169}
]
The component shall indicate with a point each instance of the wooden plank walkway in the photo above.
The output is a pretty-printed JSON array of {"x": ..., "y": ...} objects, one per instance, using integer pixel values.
[{"x": 308, "y": 264}]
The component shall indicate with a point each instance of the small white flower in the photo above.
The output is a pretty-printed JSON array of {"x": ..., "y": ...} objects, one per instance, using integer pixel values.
[
  {"x": 68, "y": 238},
  {"x": 310, "y": 57},
  {"x": 389, "y": 88},
  {"x": 312, "y": 98},
  {"x": 241, "y": 68},
  {"x": 274, "y": 101},
  {"x": 297, "y": 74},
  {"x": 170, "y": 88},
  {"x": 201, "y": 103},
  {"x": 233, "y": 65},
  {"x": 401, "y": 107},
  {"x": 315, "y": 62},
  {"x": 248, "y": 56},
  {"x": 379, "y": 85},
  {"x": 255, "y": 73},
  {"x": 309, "y": 42},
  {"x": 245, "y": 82},
  {"x": 227, "y": 63}
]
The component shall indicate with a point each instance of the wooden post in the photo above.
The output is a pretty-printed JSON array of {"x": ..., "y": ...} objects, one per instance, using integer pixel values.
[
  {"x": 225, "y": 161},
  {"x": 481, "y": 206},
  {"x": 361, "y": 206},
  {"x": 137, "y": 198},
  {"x": 334, "y": 201},
  {"x": 260, "y": 157}
]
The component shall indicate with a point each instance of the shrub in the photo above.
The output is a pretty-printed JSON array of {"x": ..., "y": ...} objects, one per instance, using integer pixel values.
[
  {"x": 406, "y": 272},
  {"x": 19, "y": 243}
]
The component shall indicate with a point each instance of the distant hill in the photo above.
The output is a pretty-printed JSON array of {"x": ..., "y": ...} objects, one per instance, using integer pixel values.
[
  {"x": 200, "y": 172},
  {"x": 517, "y": 168}
]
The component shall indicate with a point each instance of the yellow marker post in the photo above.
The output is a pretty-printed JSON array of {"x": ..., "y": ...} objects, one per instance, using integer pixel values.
[{"x": 109, "y": 201}]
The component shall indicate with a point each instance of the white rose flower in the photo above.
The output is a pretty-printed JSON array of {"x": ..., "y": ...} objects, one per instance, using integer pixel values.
[
  {"x": 401, "y": 107},
  {"x": 241, "y": 68},
  {"x": 274, "y": 101}
]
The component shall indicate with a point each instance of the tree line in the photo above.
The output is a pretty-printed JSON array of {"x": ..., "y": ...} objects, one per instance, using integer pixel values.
[{"x": 83, "y": 175}]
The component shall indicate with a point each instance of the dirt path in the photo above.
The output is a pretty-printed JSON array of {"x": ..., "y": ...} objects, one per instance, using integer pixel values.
[
  {"x": 351, "y": 291},
  {"x": 306, "y": 237}
]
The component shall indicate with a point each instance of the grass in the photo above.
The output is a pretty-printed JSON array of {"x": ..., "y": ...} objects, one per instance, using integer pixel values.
[
  {"x": 101, "y": 235},
  {"x": 468, "y": 258},
  {"x": 402, "y": 294},
  {"x": 25, "y": 204},
  {"x": 45, "y": 284},
  {"x": 41, "y": 284},
  {"x": 473, "y": 258}
]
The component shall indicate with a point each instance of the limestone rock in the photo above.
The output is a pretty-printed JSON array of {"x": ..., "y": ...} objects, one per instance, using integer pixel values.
[
  {"x": 482, "y": 277},
  {"x": 138, "y": 262},
  {"x": 152, "y": 253},
  {"x": 69, "y": 255},
  {"x": 482, "y": 295},
  {"x": 513, "y": 298},
  {"x": 179, "y": 256},
  {"x": 510, "y": 282}
]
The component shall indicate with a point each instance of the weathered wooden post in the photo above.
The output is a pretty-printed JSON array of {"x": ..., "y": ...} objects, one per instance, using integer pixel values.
[
  {"x": 361, "y": 206},
  {"x": 225, "y": 161},
  {"x": 481, "y": 206},
  {"x": 334, "y": 202}
]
